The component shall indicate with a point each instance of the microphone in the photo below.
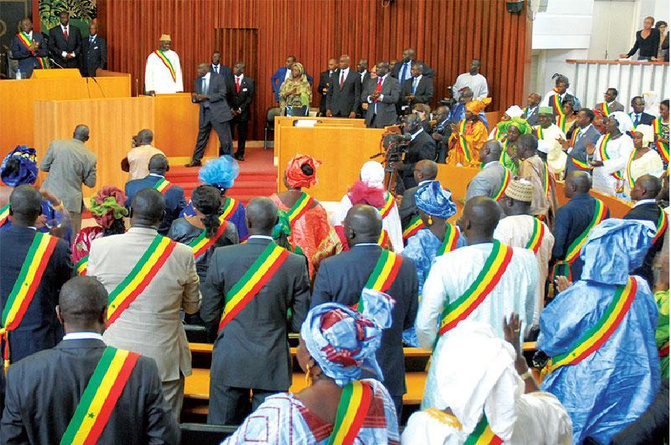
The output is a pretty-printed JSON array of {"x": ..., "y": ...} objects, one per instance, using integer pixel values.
[
  {"x": 51, "y": 59},
  {"x": 99, "y": 87}
]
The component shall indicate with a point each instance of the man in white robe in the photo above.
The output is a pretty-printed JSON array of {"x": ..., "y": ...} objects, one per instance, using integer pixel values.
[
  {"x": 473, "y": 80},
  {"x": 163, "y": 72},
  {"x": 550, "y": 132}
]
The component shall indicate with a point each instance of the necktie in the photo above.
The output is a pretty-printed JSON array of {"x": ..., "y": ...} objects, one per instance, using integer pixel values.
[
  {"x": 216, "y": 69},
  {"x": 205, "y": 85},
  {"x": 65, "y": 33},
  {"x": 342, "y": 78},
  {"x": 414, "y": 85},
  {"x": 91, "y": 39},
  {"x": 637, "y": 120},
  {"x": 404, "y": 71},
  {"x": 237, "y": 84}
]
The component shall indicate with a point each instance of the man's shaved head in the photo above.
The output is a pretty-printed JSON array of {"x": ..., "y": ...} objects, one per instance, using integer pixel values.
[
  {"x": 646, "y": 187},
  {"x": 261, "y": 215},
  {"x": 146, "y": 136},
  {"x": 577, "y": 182},
  {"x": 427, "y": 168},
  {"x": 362, "y": 224},
  {"x": 25, "y": 205},
  {"x": 490, "y": 151},
  {"x": 159, "y": 164},
  {"x": 147, "y": 207},
  {"x": 481, "y": 216},
  {"x": 82, "y": 301}
]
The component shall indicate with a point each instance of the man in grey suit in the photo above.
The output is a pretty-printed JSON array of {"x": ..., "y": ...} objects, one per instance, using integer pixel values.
[
  {"x": 488, "y": 180},
  {"x": 214, "y": 113},
  {"x": 610, "y": 103},
  {"x": 381, "y": 94},
  {"x": 576, "y": 149},
  {"x": 70, "y": 164},
  {"x": 252, "y": 350}
]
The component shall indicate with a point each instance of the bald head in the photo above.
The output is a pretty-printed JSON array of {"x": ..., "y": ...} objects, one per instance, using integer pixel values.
[
  {"x": 527, "y": 146},
  {"x": 362, "y": 224},
  {"x": 25, "y": 205},
  {"x": 146, "y": 136},
  {"x": 577, "y": 182},
  {"x": 646, "y": 187},
  {"x": 147, "y": 208},
  {"x": 82, "y": 305},
  {"x": 261, "y": 216},
  {"x": 481, "y": 216},
  {"x": 426, "y": 170},
  {"x": 158, "y": 164}
]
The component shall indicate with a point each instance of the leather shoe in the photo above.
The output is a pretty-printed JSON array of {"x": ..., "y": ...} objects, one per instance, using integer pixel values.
[
  {"x": 239, "y": 157},
  {"x": 194, "y": 163}
]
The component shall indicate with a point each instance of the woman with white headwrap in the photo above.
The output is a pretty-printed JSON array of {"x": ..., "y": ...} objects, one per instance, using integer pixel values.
[
  {"x": 372, "y": 180},
  {"x": 485, "y": 391},
  {"x": 609, "y": 156},
  {"x": 643, "y": 160},
  {"x": 500, "y": 129}
]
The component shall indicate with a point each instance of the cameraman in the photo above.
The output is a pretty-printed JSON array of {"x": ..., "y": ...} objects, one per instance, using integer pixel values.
[
  {"x": 420, "y": 146},
  {"x": 442, "y": 131}
]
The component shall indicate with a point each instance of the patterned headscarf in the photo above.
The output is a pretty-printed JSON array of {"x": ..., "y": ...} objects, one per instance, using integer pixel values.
[
  {"x": 362, "y": 193},
  {"x": 220, "y": 172},
  {"x": 521, "y": 124},
  {"x": 432, "y": 199},
  {"x": 478, "y": 106},
  {"x": 108, "y": 205},
  {"x": 295, "y": 176},
  {"x": 26, "y": 158},
  {"x": 342, "y": 341}
]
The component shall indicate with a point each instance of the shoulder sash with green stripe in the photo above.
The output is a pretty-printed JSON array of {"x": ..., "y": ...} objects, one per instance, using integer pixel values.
[
  {"x": 249, "y": 285},
  {"x": 536, "y": 236},
  {"x": 388, "y": 205},
  {"x": 559, "y": 112},
  {"x": 27, "y": 41},
  {"x": 352, "y": 411},
  {"x": 462, "y": 143},
  {"x": 603, "y": 151},
  {"x": 383, "y": 239},
  {"x": 202, "y": 243},
  {"x": 662, "y": 224},
  {"x": 162, "y": 185},
  {"x": 100, "y": 397},
  {"x": 450, "y": 240},
  {"x": 662, "y": 147},
  {"x": 600, "y": 211},
  {"x": 167, "y": 64},
  {"x": 580, "y": 165},
  {"x": 490, "y": 275},
  {"x": 415, "y": 226},
  {"x": 299, "y": 208},
  {"x": 385, "y": 271},
  {"x": 539, "y": 133},
  {"x": 139, "y": 277},
  {"x": 598, "y": 334},
  {"x": 604, "y": 108},
  {"x": 483, "y": 434},
  {"x": 82, "y": 265},
  {"x": 4, "y": 214},
  {"x": 504, "y": 184}
]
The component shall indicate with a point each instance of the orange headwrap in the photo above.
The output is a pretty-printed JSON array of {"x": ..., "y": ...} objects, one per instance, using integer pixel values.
[
  {"x": 296, "y": 178},
  {"x": 477, "y": 106}
]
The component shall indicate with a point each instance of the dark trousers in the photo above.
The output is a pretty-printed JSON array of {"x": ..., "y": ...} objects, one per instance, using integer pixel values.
[
  {"x": 223, "y": 130},
  {"x": 240, "y": 128},
  {"x": 230, "y": 406}
]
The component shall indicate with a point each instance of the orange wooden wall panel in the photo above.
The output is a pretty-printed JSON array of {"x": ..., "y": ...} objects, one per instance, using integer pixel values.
[{"x": 445, "y": 33}]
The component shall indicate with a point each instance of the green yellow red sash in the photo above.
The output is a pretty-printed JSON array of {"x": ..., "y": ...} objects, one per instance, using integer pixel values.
[
  {"x": 498, "y": 135},
  {"x": 100, "y": 397},
  {"x": 580, "y": 165},
  {"x": 383, "y": 240},
  {"x": 26, "y": 284},
  {"x": 259, "y": 273},
  {"x": 490, "y": 275},
  {"x": 82, "y": 265},
  {"x": 598, "y": 334},
  {"x": 539, "y": 133},
  {"x": 461, "y": 143},
  {"x": 604, "y": 108},
  {"x": 504, "y": 184},
  {"x": 630, "y": 177},
  {"x": 559, "y": 112},
  {"x": 536, "y": 236},
  {"x": 299, "y": 208},
  {"x": 352, "y": 411},
  {"x": 167, "y": 64},
  {"x": 388, "y": 205},
  {"x": 139, "y": 277},
  {"x": 202, "y": 243},
  {"x": 662, "y": 224},
  {"x": 600, "y": 212},
  {"x": 662, "y": 147},
  {"x": 27, "y": 41},
  {"x": 385, "y": 271},
  {"x": 4, "y": 214},
  {"x": 450, "y": 240},
  {"x": 546, "y": 180},
  {"x": 163, "y": 185},
  {"x": 483, "y": 434},
  {"x": 415, "y": 226},
  {"x": 603, "y": 151}
]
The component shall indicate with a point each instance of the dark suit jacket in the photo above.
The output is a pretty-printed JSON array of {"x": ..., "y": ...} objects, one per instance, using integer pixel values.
[
  {"x": 27, "y": 60},
  {"x": 592, "y": 135},
  {"x": 386, "y": 108},
  {"x": 44, "y": 390},
  {"x": 408, "y": 208},
  {"x": 252, "y": 351},
  {"x": 343, "y": 101},
  {"x": 566, "y": 96},
  {"x": 531, "y": 115},
  {"x": 647, "y": 212},
  {"x": 325, "y": 78},
  {"x": 646, "y": 119},
  {"x": 39, "y": 329},
  {"x": 442, "y": 128},
  {"x": 422, "y": 147},
  {"x": 58, "y": 44},
  {"x": 396, "y": 71},
  {"x": 223, "y": 71},
  {"x": 341, "y": 278},
  {"x": 423, "y": 94},
  {"x": 174, "y": 199},
  {"x": 93, "y": 56},
  {"x": 242, "y": 99},
  {"x": 217, "y": 91}
]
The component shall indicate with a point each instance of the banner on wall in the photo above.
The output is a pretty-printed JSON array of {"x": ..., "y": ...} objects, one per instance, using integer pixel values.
[{"x": 82, "y": 13}]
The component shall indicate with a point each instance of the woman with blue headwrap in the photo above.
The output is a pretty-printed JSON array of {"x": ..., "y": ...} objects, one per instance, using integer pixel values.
[
  {"x": 337, "y": 348},
  {"x": 600, "y": 335},
  {"x": 221, "y": 173}
]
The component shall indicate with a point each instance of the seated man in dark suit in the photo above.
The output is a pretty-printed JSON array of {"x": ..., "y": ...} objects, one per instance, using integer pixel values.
[
  {"x": 344, "y": 94},
  {"x": 341, "y": 278},
  {"x": 94, "y": 52},
  {"x": 252, "y": 349},
  {"x": 418, "y": 89},
  {"x": 425, "y": 170},
  {"x": 65, "y": 43},
  {"x": 29, "y": 48},
  {"x": 638, "y": 115},
  {"x": 442, "y": 131},
  {"x": 421, "y": 146},
  {"x": 37, "y": 328},
  {"x": 240, "y": 98},
  {"x": 174, "y": 194},
  {"x": 51, "y": 395}
]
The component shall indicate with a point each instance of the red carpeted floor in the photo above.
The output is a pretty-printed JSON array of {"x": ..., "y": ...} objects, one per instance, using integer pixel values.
[{"x": 258, "y": 176}]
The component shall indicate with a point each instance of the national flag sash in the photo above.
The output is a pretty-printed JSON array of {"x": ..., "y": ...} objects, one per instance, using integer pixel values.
[
  {"x": 483, "y": 434},
  {"x": 630, "y": 177},
  {"x": 202, "y": 243},
  {"x": 536, "y": 236},
  {"x": 580, "y": 165},
  {"x": 504, "y": 184},
  {"x": 26, "y": 285},
  {"x": 249, "y": 285},
  {"x": 539, "y": 133},
  {"x": 662, "y": 147},
  {"x": 461, "y": 143},
  {"x": 604, "y": 108},
  {"x": 27, "y": 41},
  {"x": 383, "y": 240},
  {"x": 600, "y": 212},
  {"x": 100, "y": 397},
  {"x": 498, "y": 135},
  {"x": 385, "y": 271},
  {"x": 167, "y": 64},
  {"x": 82, "y": 265},
  {"x": 388, "y": 205},
  {"x": 139, "y": 277},
  {"x": 450, "y": 240},
  {"x": 559, "y": 112},
  {"x": 662, "y": 224},
  {"x": 415, "y": 226},
  {"x": 598, "y": 334},
  {"x": 4, "y": 214},
  {"x": 603, "y": 151},
  {"x": 162, "y": 185},
  {"x": 299, "y": 208},
  {"x": 490, "y": 275},
  {"x": 352, "y": 410},
  {"x": 546, "y": 180}
]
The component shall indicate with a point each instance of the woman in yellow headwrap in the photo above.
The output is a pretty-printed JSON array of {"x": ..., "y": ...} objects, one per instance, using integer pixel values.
[
  {"x": 295, "y": 91},
  {"x": 468, "y": 136}
]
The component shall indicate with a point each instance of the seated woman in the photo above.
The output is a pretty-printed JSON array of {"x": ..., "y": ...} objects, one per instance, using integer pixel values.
[
  {"x": 483, "y": 392},
  {"x": 107, "y": 208},
  {"x": 516, "y": 128},
  {"x": 500, "y": 129},
  {"x": 337, "y": 345},
  {"x": 296, "y": 91},
  {"x": 567, "y": 121},
  {"x": 308, "y": 219},
  {"x": 469, "y": 135},
  {"x": 643, "y": 159}
]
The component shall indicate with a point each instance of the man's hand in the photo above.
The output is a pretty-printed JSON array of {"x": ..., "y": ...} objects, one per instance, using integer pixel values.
[
  {"x": 352, "y": 114},
  {"x": 596, "y": 163},
  {"x": 590, "y": 148},
  {"x": 563, "y": 142},
  {"x": 437, "y": 137},
  {"x": 410, "y": 97},
  {"x": 511, "y": 332},
  {"x": 455, "y": 128},
  {"x": 561, "y": 284},
  {"x": 47, "y": 195},
  {"x": 397, "y": 166},
  {"x": 329, "y": 113},
  {"x": 41, "y": 222},
  {"x": 151, "y": 93}
]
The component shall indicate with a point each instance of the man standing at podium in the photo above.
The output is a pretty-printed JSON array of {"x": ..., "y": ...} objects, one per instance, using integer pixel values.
[
  {"x": 65, "y": 43},
  {"x": 29, "y": 48},
  {"x": 163, "y": 73}
]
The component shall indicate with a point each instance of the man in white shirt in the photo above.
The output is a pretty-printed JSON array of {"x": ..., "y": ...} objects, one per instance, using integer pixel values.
[
  {"x": 473, "y": 80},
  {"x": 137, "y": 159},
  {"x": 550, "y": 132},
  {"x": 163, "y": 72}
]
